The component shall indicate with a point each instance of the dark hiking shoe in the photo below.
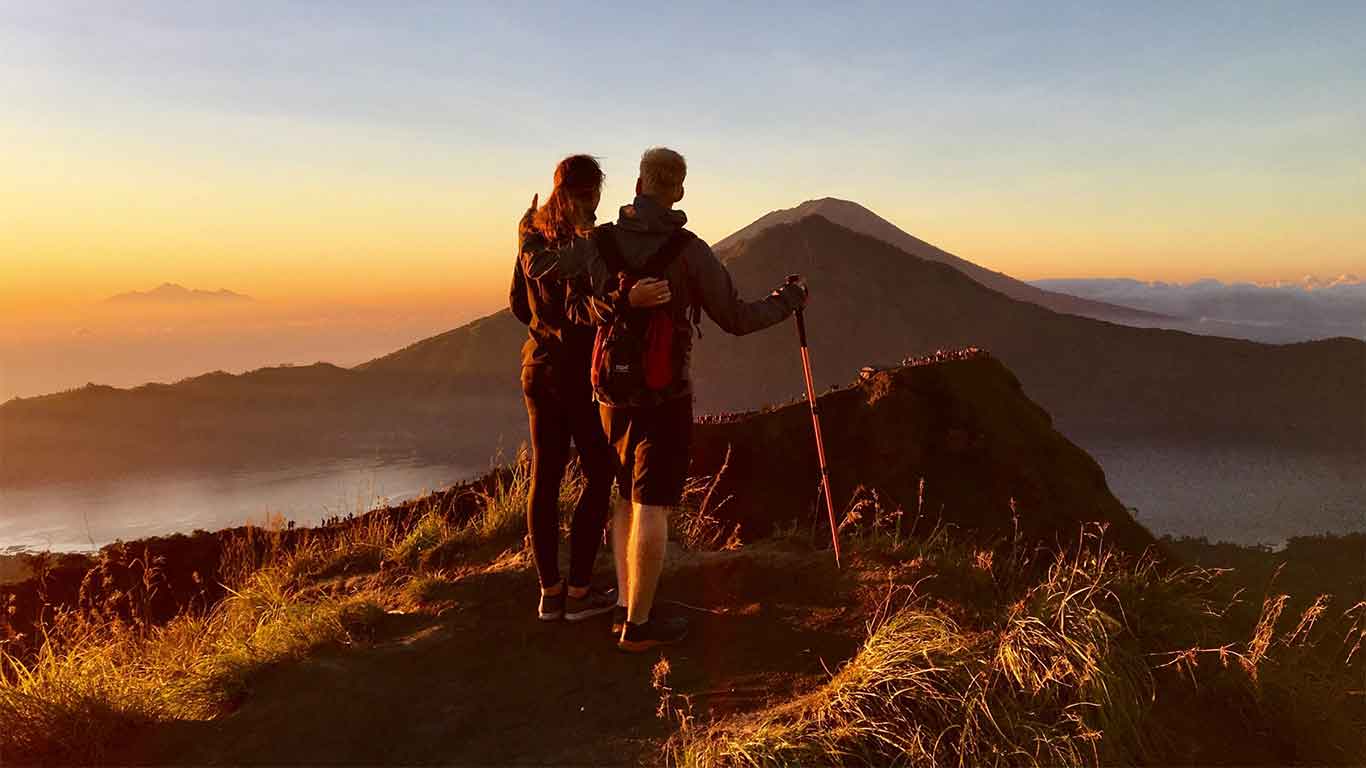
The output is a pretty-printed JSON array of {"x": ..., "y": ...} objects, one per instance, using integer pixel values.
[
  {"x": 552, "y": 606},
  {"x": 595, "y": 603},
  {"x": 618, "y": 620},
  {"x": 636, "y": 638}
]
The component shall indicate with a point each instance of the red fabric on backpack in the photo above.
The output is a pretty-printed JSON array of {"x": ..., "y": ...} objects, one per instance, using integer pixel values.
[
  {"x": 599, "y": 346},
  {"x": 659, "y": 350}
]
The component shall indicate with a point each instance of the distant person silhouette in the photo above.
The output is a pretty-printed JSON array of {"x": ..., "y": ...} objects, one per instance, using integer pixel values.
[
  {"x": 559, "y": 398},
  {"x": 641, "y": 371}
]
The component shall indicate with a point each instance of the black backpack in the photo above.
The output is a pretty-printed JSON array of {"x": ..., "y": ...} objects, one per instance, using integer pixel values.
[{"x": 640, "y": 354}]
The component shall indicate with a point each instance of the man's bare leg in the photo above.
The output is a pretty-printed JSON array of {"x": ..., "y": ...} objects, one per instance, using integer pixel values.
[
  {"x": 645, "y": 561},
  {"x": 621, "y": 545}
]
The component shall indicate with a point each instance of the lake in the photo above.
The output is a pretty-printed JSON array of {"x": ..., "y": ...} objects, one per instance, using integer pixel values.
[
  {"x": 1240, "y": 494},
  {"x": 69, "y": 517}
]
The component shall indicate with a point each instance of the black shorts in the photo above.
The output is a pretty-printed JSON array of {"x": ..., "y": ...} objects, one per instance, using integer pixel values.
[{"x": 652, "y": 446}]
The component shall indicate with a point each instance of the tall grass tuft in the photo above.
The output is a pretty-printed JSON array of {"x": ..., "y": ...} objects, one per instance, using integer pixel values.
[
  {"x": 504, "y": 505},
  {"x": 695, "y": 521},
  {"x": 430, "y": 531},
  {"x": 357, "y": 548}
]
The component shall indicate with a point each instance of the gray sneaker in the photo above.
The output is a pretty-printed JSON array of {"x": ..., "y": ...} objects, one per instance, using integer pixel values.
[{"x": 595, "y": 603}]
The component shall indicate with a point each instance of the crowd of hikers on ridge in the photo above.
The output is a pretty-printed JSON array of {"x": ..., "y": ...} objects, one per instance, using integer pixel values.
[{"x": 611, "y": 310}]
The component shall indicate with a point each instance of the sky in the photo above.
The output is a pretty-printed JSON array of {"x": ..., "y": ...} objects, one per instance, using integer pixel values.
[{"x": 339, "y": 153}]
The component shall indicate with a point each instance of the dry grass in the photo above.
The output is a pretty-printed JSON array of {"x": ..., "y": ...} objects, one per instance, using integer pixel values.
[
  {"x": 1005, "y": 655},
  {"x": 694, "y": 522},
  {"x": 94, "y": 676},
  {"x": 504, "y": 506},
  {"x": 422, "y": 590},
  {"x": 431, "y": 530},
  {"x": 436, "y": 542},
  {"x": 1064, "y": 671},
  {"x": 358, "y": 548}
]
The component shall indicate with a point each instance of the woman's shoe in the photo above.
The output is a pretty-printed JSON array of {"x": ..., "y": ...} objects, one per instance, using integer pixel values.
[
  {"x": 595, "y": 603},
  {"x": 552, "y": 606}
]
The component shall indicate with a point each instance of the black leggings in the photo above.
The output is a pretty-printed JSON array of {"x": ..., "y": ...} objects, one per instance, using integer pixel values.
[{"x": 559, "y": 411}]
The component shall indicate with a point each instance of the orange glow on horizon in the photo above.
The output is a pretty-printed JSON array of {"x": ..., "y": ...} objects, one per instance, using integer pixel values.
[{"x": 82, "y": 225}]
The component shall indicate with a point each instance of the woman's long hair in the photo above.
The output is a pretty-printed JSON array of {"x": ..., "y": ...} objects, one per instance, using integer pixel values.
[{"x": 578, "y": 178}]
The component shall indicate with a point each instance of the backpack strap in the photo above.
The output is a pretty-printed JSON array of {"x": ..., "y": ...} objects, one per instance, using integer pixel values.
[
  {"x": 671, "y": 251},
  {"x": 605, "y": 240},
  {"x": 672, "y": 248}
]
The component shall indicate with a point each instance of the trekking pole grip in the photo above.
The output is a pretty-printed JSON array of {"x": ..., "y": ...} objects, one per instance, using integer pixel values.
[{"x": 801, "y": 320}]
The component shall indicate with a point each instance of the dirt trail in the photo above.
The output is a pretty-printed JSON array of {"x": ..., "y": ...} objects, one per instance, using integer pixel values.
[{"x": 485, "y": 683}]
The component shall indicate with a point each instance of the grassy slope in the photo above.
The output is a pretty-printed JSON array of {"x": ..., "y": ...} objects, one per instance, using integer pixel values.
[{"x": 414, "y": 642}]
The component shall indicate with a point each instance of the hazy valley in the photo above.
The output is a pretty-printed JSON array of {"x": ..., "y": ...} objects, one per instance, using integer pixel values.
[
  {"x": 1281, "y": 313},
  {"x": 1268, "y": 428}
]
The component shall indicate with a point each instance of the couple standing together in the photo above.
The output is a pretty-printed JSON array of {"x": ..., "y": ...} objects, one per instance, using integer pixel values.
[{"x": 610, "y": 312}]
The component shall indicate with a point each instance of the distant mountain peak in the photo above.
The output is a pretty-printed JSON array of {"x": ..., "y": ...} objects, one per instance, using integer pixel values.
[
  {"x": 815, "y": 204},
  {"x": 846, "y": 213},
  {"x": 175, "y": 293},
  {"x": 858, "y": 218}
]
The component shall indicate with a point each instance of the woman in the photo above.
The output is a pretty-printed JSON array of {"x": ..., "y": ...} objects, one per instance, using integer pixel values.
[{"x": 559, "y": 395}]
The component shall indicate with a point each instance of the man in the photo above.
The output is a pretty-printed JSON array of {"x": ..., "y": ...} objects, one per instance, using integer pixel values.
[{"x": 651, "y": 426}]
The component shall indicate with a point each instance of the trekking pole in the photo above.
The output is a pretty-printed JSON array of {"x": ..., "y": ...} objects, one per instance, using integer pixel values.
[{"x": 816, "y": 424}]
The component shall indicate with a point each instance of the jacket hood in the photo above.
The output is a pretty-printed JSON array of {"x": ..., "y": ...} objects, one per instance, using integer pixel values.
[
  {"x": 644, "y": 224},
  {"x": 646, "y": 215}
]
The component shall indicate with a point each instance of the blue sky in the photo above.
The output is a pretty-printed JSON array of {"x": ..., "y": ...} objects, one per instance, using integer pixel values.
[{"x": 1160, "y": 140}]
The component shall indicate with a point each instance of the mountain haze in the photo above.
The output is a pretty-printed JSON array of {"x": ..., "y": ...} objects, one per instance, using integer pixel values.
[
  {"x": 855, "y": 217},
  {"x": 456, "y": 397},
  {"x": 1313, "y": 308}
]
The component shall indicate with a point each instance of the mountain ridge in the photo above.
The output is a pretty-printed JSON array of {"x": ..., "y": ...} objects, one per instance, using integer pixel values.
[
  {"x": 872, "y": 302},
  {"x": 857, "y": 218},
  {"x": 174, "y": 293}
]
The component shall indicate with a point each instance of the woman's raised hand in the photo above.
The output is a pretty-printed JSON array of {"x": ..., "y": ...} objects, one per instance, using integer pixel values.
[{"x": 650, "y": 292}]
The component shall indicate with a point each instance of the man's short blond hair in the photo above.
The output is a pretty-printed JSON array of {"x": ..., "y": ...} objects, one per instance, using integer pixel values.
[{"x": 662, "y": 171}]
